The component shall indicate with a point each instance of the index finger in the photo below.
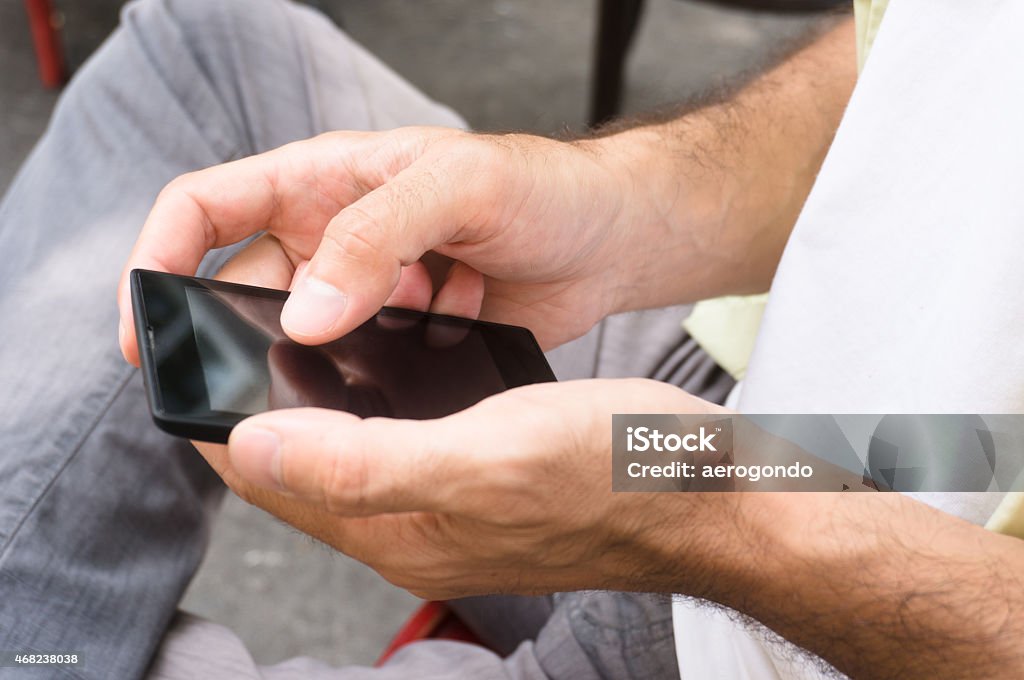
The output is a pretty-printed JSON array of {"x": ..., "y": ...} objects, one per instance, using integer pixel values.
[{"x": 277, "y": 191}]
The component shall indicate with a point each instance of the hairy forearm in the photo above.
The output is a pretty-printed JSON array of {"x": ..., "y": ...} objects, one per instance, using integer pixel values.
[
  {"x": 713, "y": 194},
  {"x": 877, "y": 584}
]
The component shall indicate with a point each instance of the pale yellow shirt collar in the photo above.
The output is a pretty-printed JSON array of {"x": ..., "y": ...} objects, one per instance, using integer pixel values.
[{"x": 869, "y": 15}]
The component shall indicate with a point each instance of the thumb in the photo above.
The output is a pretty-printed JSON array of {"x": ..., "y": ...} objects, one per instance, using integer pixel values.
[
  {"x": 349, "y": 466},
  {"x": 359, "y": 260}
]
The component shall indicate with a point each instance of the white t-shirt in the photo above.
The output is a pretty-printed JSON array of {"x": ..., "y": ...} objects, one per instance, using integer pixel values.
[{"x": 902, "y": 287}]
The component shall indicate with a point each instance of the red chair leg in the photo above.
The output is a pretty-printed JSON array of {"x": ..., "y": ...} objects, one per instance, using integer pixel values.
[
  {"x": 46, "y": 39},
  {"x": 432, "y": 621}
]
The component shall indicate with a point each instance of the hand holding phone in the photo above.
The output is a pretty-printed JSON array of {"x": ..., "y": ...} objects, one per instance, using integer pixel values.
[{"x": 214, "y": 353}]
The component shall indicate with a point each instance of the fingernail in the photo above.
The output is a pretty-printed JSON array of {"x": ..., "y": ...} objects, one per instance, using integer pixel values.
[
  {"x": 313, "y": 308},
  {"x": 256, "y": 455}
]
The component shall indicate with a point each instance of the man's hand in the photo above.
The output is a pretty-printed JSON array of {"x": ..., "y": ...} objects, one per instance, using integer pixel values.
[
  {"x": 353, "y": 213},
  {"x": 511, "y": 495}
]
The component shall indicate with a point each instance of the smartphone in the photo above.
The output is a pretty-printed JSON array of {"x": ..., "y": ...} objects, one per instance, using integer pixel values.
[{"x": 214, "y": 353}]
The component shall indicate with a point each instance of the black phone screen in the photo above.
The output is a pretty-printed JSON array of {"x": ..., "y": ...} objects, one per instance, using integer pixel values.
[{"x": 214, "y": 353}]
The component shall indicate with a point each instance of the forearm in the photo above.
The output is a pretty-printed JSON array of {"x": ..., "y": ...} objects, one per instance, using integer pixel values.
[
  {"x": 877, "y": 584},
  {"x": 714, "y": 194}
]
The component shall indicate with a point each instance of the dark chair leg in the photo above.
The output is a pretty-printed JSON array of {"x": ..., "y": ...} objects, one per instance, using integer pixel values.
[{"x": 617, "y": 21}]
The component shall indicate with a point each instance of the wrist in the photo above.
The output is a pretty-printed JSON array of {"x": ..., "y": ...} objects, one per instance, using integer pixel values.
[
  {"x": 713, "y": 545},
  {"x": 681, "y": 235},
  {"x": 713, "y": 194},
  {"x": 723, "y": 547},
  {"x": 625, "y": 161}
]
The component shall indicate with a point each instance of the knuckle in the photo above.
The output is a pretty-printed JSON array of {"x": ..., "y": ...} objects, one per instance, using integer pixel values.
[
  {"x": 345, "y": 483},
  {"x": 181, "y": 194},
  {"x": 178, "y": 185},
  {"x": 357, "y": 240},
  {"x": 486, "y": 162}
]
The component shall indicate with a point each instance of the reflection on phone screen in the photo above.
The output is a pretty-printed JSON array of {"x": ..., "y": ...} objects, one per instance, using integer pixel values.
[{"x": 419, "y": 367}]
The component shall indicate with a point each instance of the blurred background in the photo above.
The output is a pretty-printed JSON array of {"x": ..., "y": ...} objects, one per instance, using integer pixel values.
[{"x": 504, "y": 65}]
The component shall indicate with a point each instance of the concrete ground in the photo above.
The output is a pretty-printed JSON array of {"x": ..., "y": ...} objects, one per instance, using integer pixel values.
[{"x": 505, "y": 64}]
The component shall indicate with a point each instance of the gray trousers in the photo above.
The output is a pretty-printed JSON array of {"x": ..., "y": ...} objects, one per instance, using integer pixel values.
[{"x": 103, "y": 518}]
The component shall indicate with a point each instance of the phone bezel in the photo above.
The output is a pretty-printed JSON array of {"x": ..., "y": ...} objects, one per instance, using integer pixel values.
[{"x": 515, "y": 351}]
